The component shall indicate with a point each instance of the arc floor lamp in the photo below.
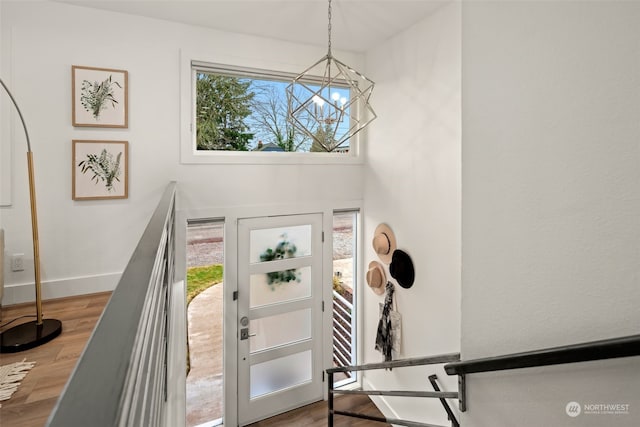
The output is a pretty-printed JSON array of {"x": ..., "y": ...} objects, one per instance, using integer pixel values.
[{"x": 37, "y": 332}]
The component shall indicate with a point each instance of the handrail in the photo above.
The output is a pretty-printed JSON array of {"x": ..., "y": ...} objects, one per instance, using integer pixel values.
[
  {"x": 126, "y": 354},
  {"x": 416, "y": 361},
  {"x": 593, "y": 350},
  {"x": 403, "y": 393}
]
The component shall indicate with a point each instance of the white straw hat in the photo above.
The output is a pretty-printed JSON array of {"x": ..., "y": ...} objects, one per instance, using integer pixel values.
[
  {"x": 376, "y": 277},
  {"x": 384, "y": 242}
]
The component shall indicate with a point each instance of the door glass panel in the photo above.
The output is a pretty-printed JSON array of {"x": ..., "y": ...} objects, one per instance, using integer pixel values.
[
  {"x": 279, "y": 366},
  {"x": 262, "y": 293},
  {"x": 282, "y": 242},
  {"x": 281, "y": 373},
  {"x": 281, "y": 329}
]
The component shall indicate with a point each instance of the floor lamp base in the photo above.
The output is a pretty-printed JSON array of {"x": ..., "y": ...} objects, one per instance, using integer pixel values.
[{"x": 29, "y": 335}]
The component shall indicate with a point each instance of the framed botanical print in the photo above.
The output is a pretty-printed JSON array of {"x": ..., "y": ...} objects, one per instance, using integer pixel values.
[
  {"x": 100, "y": 170},
  {"x": 99, "y": 97}
]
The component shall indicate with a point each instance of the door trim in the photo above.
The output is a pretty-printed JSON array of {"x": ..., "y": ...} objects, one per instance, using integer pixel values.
[{"x": 190, "y": 211}]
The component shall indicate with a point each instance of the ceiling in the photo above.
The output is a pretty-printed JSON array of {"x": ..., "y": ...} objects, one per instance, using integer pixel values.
[{"x": 357, "y": 25}]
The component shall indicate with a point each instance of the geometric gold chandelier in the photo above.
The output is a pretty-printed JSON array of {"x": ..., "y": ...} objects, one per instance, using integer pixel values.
[{"x": 329, "y": 101}]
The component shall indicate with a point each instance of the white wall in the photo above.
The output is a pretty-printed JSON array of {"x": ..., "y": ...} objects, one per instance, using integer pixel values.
[
  {"x": 551, "y": 203},
  {"x": 412, "y": 182},
  {"x": 5, "y": 146},
  {"x": 86, "y": 245}
]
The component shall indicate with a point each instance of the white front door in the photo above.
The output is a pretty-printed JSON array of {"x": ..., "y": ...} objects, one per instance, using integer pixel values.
[{"x": 279, "y": 314}]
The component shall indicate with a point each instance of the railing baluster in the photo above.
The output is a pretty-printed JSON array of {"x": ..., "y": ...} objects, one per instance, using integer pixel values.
[
  {"x": 418, "y": 361},
  {"x": 342, "y": 330},
  {"x": 330, "y": 403},
  {"x": 394, "y": 421},
  {"x": 447, "y": 408}
]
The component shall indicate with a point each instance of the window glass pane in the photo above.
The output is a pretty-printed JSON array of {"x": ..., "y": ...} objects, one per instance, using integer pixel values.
[
  {"x": 278, "y": 243},
  {"x": 240, "y": 113},
  {"x": 279, "y": 374},
  {"x": 263, "y": 293},
  {"x": 281, "y": 329},
  {"x": 205, "y": 379},
  {"x": 344, "y": 294}
]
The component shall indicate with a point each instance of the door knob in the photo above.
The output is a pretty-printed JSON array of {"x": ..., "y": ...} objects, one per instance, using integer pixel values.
[{"x": 244, "y": 334}]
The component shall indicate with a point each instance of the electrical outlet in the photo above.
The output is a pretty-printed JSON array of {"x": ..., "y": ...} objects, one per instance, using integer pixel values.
[{"x": 17, "y": 262}]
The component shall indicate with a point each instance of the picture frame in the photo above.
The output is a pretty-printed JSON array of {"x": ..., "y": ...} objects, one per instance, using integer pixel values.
[
  {"x": 99, "y": 170},
  {"x": 99, "y": 97}
]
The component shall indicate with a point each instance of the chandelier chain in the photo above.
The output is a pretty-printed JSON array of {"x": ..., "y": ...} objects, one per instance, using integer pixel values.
[
  {"x": 320, "y": 112},
  {"x": 329, "y": 27}
]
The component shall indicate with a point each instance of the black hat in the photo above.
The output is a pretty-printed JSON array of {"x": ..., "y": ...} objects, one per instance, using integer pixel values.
[{"x": 401, "y": 268}]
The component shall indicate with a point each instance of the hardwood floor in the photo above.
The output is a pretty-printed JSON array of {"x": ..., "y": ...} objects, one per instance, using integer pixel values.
[
  {"x": 315, "y": 415},
  {"x": 32, "y": 403}
]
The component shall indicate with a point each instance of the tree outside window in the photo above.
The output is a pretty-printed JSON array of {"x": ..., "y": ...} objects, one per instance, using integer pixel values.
[
  {"x": 247, "y": 114},
  {"x": 223, "y": 104}
]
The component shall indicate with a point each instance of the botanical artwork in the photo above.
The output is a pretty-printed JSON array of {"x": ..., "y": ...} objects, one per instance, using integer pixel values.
[
  {"x": 284, "y": 249},
  {"x": 100, "y": 170},
  {"x": 99, "y": 97},
  {"x": 103, "y": 168}
]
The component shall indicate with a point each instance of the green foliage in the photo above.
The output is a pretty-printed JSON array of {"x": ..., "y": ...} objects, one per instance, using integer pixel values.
[
  {"x": 289, "y": 142},
  {"x": 325, "y": 135},
  {"x": 201, "y": 278},
  {"x": 284, "y": 249},
  {"x": 338, "y": 284},
  {"x": 222, "y": 105},
  {"x": 96, "y": 96},
  {"x": 104, "y": 168}
]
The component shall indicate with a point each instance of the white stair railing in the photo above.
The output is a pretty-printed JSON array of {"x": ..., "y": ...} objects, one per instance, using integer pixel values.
[{"x": 121, "y": 377}]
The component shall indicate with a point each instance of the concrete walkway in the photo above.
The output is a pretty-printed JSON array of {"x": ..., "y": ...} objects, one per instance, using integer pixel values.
[
  {"x": 204, "y": 382},
  {"x": 205, "y": 395}
]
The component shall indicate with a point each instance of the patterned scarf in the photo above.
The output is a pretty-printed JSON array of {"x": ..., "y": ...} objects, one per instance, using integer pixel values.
[{"x": 384, "y": 338}]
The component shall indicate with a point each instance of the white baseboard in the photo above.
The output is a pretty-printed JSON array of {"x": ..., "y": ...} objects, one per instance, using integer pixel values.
[{"x": 60, "y": 288}]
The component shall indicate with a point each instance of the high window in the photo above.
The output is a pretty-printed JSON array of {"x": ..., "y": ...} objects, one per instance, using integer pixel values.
[{"x": 245, "y": 110}]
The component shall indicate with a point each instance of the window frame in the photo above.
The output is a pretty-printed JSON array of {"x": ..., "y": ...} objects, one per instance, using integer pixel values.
[
  {"x": 188, "y": 151},
  {"x": 358, "y": 288}
]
